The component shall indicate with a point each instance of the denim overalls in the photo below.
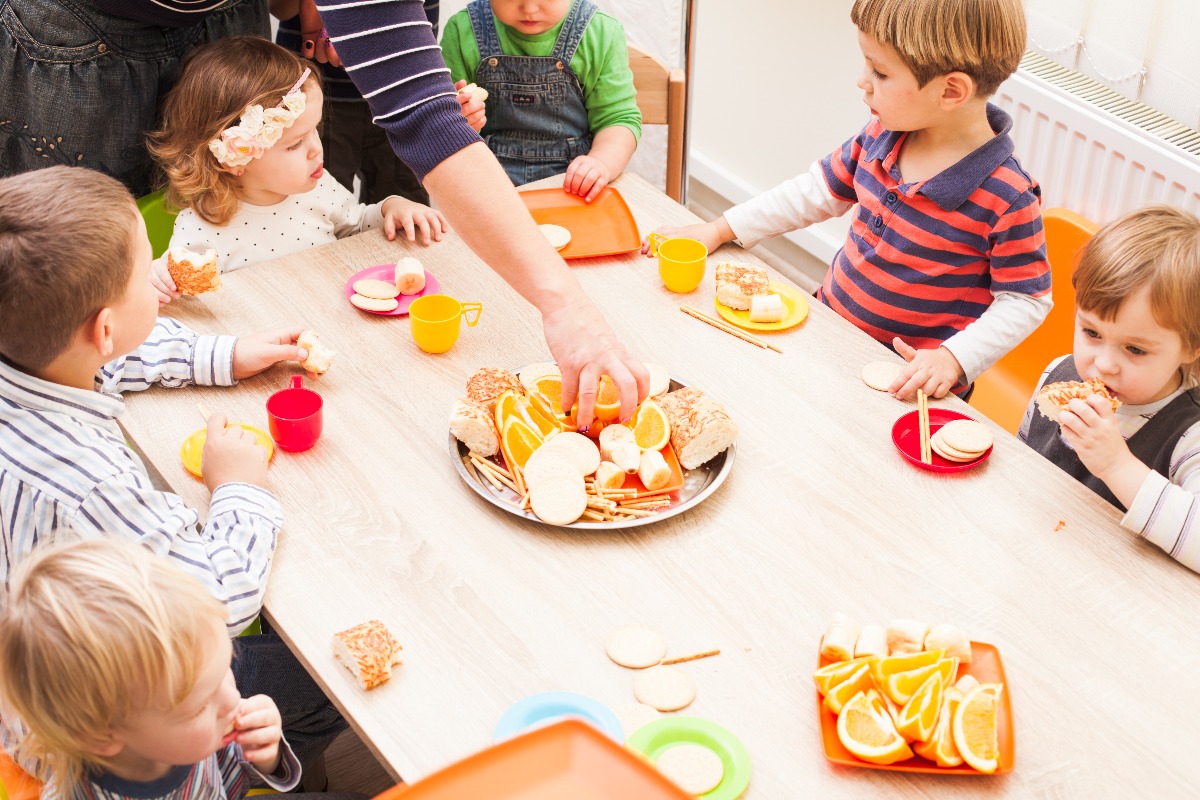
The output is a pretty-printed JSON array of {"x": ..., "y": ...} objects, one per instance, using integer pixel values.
[{"x": 537, "y": 123}]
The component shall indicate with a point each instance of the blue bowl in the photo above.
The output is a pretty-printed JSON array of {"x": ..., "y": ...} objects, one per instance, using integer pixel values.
[{"x": 546, "y": 708}]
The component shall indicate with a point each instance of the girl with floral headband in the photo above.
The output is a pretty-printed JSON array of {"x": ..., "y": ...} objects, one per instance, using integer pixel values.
[{"x": 240, "y": 147}]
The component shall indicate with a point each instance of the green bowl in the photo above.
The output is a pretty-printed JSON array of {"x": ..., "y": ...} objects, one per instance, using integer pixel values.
[{"x": 655, "y": 738}]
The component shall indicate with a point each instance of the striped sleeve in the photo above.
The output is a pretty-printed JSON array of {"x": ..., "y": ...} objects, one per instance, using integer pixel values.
[
  {"x": 1017, "y": 248},
  {"x": 839, "y": 167},
  {"x": 389, "y": 51},
  {"x": 231, "y": 555},
  {"x": 1167, "y": 511},
  {"x": 172, "y": 356}
]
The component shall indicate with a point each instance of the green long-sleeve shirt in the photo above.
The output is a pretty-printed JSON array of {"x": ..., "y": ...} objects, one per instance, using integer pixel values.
[{"x": 601, "y": 62}]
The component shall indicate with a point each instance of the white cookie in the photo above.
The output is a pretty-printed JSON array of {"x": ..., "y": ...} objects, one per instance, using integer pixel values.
[
  {"x": 692, "y": 767},
  {"x": 880, "y": 375},
  {"x": 664, "y": 688},
  {"x": 545, "y": 463},
  {"x": 379, "y": 290},
  {"x": 558, "y": 236},
  {"x": 576, "y": 448},
  {"x": 636, "y": 646},
  {"x": 558, "y": 501},
  {"x": 966, "y": 436},
  {"x": 374, "y": 304}
]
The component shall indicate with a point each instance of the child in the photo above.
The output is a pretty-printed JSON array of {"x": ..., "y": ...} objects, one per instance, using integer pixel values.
[
  {"x": 561, "y": 94},
  {"x": 117, "y": 663},
  {"x": 243, "y": 159},
  {"x": 1137, "y": 329},
  {"x": 78, "y": 327},
  {"x": 945, "y": 260}
]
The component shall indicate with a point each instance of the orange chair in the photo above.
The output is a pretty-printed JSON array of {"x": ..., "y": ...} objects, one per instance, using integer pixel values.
[
  {"x": 16, "y": 783},
  {"x": 1003, "y": 392}
]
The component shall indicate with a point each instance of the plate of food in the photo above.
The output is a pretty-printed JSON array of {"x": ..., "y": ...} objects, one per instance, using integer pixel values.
[
  {"x": 513, "y": 446},
  {"x": 387, "y": 290},
  {"x": 603, "y": 227},
  {"x": 749, "y": 299},
  {"x": 913, "y": 698},
  {"x": 957, "y": 442},
  {"x": 701, "y": 757}
]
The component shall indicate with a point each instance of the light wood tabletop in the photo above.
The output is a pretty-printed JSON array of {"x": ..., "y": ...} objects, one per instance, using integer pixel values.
[{"x": 820, "y": 514}]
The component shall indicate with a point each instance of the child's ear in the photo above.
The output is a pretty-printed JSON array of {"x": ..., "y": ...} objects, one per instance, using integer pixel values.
[
  {"x": 957, "y": 88},
  {"x": 99, "y": 332},
  {"x": 104, "y": 744}
]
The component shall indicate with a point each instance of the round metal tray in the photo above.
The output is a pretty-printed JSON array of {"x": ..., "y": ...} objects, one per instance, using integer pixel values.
[{"x": 698, "y": 484}]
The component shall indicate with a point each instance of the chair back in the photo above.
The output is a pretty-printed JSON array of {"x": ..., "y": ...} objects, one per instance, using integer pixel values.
[
  {"x": 662, "y": 99},
  {"x": 159, "y": 222}
]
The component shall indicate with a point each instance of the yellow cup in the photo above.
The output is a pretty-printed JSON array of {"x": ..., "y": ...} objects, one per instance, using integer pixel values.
[
  {"x": 681, "y": 262},
  {"x": 435, "y": 321}
]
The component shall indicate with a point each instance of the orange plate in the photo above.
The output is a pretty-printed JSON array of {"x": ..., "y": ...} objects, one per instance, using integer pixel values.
[
  {"x": 570, "y": 759},
  {"x": 986, "y": 667},
  {"x": 603, "y": 227}
]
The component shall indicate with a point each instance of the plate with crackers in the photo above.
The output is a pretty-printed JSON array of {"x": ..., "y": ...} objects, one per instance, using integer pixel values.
[
  {"x": 957, "y": 441},
  {"x": 699, "y": 756},
  {"x": 387, "y": 290},
  {"x": 577, "y": 229}
]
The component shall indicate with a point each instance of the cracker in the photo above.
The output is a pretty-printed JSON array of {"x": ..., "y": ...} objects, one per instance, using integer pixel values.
[
  {"x": 558, "y": 236},
  {"x": 635, "y": 716},
  {"x": 949, "y": 453},
  {"x": 664, "y": 688},
  {"x": 966, "y": 436},
  {"x": 576, "y": 448},
  {"x": 636, "y": 646},
  {"x": 692, "y": 767},
  {"x": 379, "y": 290},
  {"x": 545, "y": 464},
  {"x": 558, "y": 501},
  {"x": 373, "y": 303},
  {"x": 880, "y": 375}
]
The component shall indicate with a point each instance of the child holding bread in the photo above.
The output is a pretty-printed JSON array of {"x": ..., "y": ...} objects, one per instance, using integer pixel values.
[
  {"x": 560, "y": 94},
  {"x": 240, "y": 147},
  {"x": 945, "y": 259},
  {"x": 72, "y": 341},
  {"x": 1132, "y": 433}
]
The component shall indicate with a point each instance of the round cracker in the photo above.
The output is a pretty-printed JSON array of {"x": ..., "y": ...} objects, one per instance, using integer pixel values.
[
  {"x": 373, "y": 303},
  {"x": 692, "y": 767},
  {"x": 380, "y": 290},
  {"x": 558, "y": 501},
  {"x": 966, "y": 436},
  {"x": 558, "y": 236},
  {"x": 949, "y": 453},
  {"x": 636, "y": 646},
  {"x": 880, "y": 375},
  {"x": 635, "y": 716},
  {"x": 664, "y": 688},
  {"x": 660, "y": 381},
  {"x": 576, "y": 448},
  {"x": 545, "y": 464},
  {"x": 534, "y": 371}
]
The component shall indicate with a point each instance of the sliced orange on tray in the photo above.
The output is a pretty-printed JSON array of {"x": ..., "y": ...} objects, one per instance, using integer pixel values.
[
  {"x": 975, "y": 727},
  {"x": 901, "y": 686},
  {"x": 919, "y": 717},
  {"x": 518, "y": 441},
  {"x": 866, "y": 730},
  {"x": 651, "y": 430}
]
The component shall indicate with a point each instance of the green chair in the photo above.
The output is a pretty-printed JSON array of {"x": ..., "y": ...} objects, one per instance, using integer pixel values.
[{"x": 159, "y": 222}]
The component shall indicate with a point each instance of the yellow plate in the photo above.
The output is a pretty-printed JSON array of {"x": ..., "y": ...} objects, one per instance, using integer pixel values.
[
  {"x": 795, "y": 310},
  {"x": 192, "y": 451}
]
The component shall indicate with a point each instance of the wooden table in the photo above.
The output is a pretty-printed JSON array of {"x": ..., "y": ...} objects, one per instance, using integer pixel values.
[{"x": 820, "y": 514}]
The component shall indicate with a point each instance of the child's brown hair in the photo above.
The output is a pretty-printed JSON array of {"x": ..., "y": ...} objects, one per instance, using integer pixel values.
[
  {"x": 983, "y": 38},
  {"x": 66, "y": 251},
  {"x": 1155, "y": 248},
  {"x": 216, "y": 83}
]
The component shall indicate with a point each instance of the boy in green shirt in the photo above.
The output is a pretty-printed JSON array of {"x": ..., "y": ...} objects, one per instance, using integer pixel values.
[{"x": 560, "y": 91}]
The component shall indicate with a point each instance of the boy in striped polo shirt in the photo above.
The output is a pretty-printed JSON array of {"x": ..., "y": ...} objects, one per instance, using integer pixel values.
[{"x": 945, "y": 261}]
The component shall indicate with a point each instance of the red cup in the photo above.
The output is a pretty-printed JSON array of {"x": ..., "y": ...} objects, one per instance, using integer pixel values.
[{"x": 295, "y": 416}]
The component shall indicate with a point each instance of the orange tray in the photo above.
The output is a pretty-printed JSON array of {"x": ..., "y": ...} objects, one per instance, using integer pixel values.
[
  {"x": 603, "y": 227},
  {"x": 569, "y": 759},
  {"x": 986, "y": 667}
]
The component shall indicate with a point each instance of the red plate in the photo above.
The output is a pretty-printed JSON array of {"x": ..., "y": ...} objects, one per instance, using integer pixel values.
[
  {"x": 386, "y": 272},
  {"x": 603, "y": 227},
  {"x": 986, "y": 667},
  {"x": 906, "y": 434}
]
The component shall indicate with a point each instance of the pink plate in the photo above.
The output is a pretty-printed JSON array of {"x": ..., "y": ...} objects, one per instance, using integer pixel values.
[
  {"x": 906, "y": 434},
  {"x": 386, "y": 272}
]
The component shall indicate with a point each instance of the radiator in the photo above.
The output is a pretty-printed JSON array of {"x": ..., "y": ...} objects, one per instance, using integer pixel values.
[{"x": 1093, "y": 151}]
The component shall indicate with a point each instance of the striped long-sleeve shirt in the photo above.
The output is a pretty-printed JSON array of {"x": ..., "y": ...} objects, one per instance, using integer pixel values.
[
  {"x": 389, "y": 51},
  {"x": 66, "y": 472}
]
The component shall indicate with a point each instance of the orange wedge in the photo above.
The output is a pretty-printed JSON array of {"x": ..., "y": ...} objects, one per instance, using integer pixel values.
[
  {"x": 975, "y": 727},
  {"x": 518, "y": 441},
  {"x": 940, "y": 747},
  {"x": 833, "y": 674},
  {"x": 919, "y": 717},
  {"x": 608, "y": 401},
  {"x": 651, "y": 430},
  {"x": 550, "y": 387},
  {"x": 506, "y": 405},
  {"x": 889, "y": 664},
  {"x": 860, "y": 681},
  {"x": 901, "y": 686},
  {"x": 867, "y": 731},
  {"x": 538, "y": 409}
]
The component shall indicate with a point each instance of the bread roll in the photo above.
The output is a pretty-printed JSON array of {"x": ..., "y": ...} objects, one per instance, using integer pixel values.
[
  {"x": 489, "y": 383},
  {"x": 368, "y": 650},
  {"x": 319, "y": 356},
  {"x": 1053, "y": 398},
  {"x": 472, "y": 424},
  {"x": 700, "y": 427},
  {"x": 193, "y": 273},
  {"x": 737, "y": 283}
]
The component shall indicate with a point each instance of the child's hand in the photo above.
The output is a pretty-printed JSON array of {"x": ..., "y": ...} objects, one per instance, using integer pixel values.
[
  {"x": 252, "y": 354},
  {"x": 160, "y": 276},
  {"x": 400, "y": 213},
  {"x": 473, "y": 110},
  {"x": 586, "y": 177},
  {"x": 259, "y": 729},
  {"x": 232, "y": 455},
  {"x": 1090, "y": 427},
  {"x": 711, "y": 234},
  {"x": 935, "y": 371}
]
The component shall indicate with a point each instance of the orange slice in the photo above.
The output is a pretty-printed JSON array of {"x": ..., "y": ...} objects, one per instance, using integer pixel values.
[
  {"x": 867, "y": 731},
  {"x": 608, "y": 401},
  {"x": 506, "y": 405},
  {"x": 651, "y": 430},
  {"x": 940, "y": 747},
  {"x": 538, "y": 409},
  {"x": 833, "y": 674},
  {"x": 860, "y": 681},
  {"x": 975, "y": 727},
  {"x": 901, "y": 686},
  {"x": 889, "y": 664},
  {"x": 919, "y": 717},
  {"x": 550, "y": 387},
  {"x": 518, "y": 441}
]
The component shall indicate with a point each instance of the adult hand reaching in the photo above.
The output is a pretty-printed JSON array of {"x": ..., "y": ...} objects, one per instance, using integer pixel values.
[{"x": 316, "y": 44}]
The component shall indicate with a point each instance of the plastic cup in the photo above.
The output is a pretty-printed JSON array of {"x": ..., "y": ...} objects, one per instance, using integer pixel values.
[
  {"x": 681, "y": 262},
  {"x": 435, "y": 321},
  {"x": 295, "y": 415}
]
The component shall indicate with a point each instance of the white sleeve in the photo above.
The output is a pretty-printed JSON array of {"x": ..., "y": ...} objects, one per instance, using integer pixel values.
[
  {"x": 1167, "y": 512},
  {"x": 791, "y": 205},
  {"x": 1008, "y": 320},
  {"x": 347, "y": 214}
]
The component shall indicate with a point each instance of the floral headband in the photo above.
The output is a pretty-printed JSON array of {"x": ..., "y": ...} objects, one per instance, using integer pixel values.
[{"x": 259, "y": 128}]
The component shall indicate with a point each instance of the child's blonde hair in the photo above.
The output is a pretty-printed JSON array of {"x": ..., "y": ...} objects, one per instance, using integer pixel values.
[
  {"x": 983, "y": 38},
  {"x": 216, "y": 83},
  {"x": 1155, "y": 248},
  {"x": 92, "y": 632}
]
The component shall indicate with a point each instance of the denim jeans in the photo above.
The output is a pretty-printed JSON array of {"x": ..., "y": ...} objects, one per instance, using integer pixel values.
[{"x": 82, "y": 88}]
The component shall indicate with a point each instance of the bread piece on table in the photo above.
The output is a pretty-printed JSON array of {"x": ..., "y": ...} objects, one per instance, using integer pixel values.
[
  {"x": 737, "y": 283},
  {"x": 1053, "y": 398},
  {"x": 906, "y": 636},
  {"x": 951, "y": 639},
  {"x": 319, "y": 357},
  {"x": 193, "y": 273},
  {"x": 489, "y": 383},
  {"x": 409, "y": 276},
  {"x": 700, "y": 426},
  {"x": 472, "y": 424},
  {"x": 368, "y": 650},
  {"x": 838, "y": 642},
  {"x": 872, "y": 641}
]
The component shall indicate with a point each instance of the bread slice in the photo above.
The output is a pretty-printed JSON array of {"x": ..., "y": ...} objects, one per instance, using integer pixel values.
[
  {"x": 1053, "y": 398},
  {"x": 193, "y": 273},
  {"x": 368, "y": 650},
  {"x": 700, "y": 427},
  {"x": 472, "y": 425},
  {"x": 737, "y": 283}
]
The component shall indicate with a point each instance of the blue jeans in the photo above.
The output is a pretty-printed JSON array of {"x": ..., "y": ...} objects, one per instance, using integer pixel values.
[{"x": 82, "y": 88}]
